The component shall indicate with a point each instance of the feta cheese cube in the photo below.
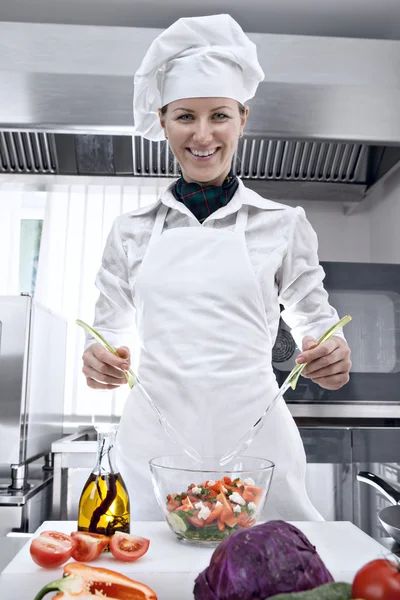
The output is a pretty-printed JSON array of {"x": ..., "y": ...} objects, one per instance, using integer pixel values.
[
  {"x": 218, "y": 503},
  {"x": 237, "y": 499},
  {"x": 252, "y": 506},
  {"x": 196, "y": 490},
  {"x": 210, "y": 482},
  {"x": 204, "y": 512},
  {"x": 249, "y": 481},
  {"x": 237, "y": 510}
]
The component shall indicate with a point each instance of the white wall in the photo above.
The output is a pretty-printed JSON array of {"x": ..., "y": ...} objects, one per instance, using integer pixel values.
[
  {"x": 371, "y": 234},
  {"x": 384, "y": 217},
  {"x": 341, "y": 238}
]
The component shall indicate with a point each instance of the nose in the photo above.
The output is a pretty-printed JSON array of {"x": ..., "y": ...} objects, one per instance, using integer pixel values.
[{"x": 203, "y": 133}]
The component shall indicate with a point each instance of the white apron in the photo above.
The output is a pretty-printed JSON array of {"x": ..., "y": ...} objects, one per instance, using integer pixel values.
[{"x": 206, "y": 361}]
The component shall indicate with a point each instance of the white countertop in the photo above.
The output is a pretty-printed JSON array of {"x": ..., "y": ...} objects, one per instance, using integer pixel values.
[{"x": 170, "y": 567}]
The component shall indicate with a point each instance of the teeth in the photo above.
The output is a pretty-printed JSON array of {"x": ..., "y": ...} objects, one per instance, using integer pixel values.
[{"x": 198, "y": 153}]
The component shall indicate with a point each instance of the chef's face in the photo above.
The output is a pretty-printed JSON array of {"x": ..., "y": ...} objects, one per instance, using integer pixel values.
[{"x": 203, "y": 135}]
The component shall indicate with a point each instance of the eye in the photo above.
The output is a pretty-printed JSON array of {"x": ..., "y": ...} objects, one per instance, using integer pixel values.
[
  {"x": 219, "y": 116},
  {"x": 184, "y": 117}
]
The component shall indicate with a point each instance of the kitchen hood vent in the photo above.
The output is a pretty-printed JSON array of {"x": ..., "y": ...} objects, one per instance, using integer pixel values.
[
  {"x": 264, "y": 159},
  {"x": 23, "y": 152},
  {"x": 323, "y": 125}
]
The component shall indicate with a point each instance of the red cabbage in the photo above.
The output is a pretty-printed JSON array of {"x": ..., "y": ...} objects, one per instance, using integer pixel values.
[{"x": 256, "y": 563}]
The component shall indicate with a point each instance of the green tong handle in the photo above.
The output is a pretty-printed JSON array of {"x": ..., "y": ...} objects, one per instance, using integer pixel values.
[
  {"x": 294, "y": 375},
  {"x": 130, "y": 375}
]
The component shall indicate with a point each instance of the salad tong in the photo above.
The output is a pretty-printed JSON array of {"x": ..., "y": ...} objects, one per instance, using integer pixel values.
[
  {"x": 290, "y": 381},
  {"x": 133, "y": 380}
]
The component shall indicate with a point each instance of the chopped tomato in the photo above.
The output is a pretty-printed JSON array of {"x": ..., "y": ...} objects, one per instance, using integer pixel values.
[
  {"x": 51, "y": 549},
  {"x": 88, "y": 546},
  {"x": 243, "y": 519},
  {"x": 215, "y": 513},
  {"x": 225, "y": 503},
  {"x": 172, "y": 503},
  {"x": 216, "y": 487},
  {"x": 187, "y": 504},
  {"x": 127, "y": 547},
  {"x": 223, "y": 487},
  {"x": 229, "y": 519},
  {"x": 194, "y": 520},
  {"x": 253, "y": 489},
  {"x": 213, "y": 494},
  {"x": 227, "y": 480},
  {"x": 248, "y": 496}
]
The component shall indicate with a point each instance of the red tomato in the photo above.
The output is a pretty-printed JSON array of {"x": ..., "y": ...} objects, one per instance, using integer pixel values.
[
  {"x": 187, "y": 504},
  {"x": 215, "y": 514},
  {"x": 225, "y": 503},
  {"x": 377, "y": 580},
  {"x": 128, "y": 547},
  {"x": 212, "y": 494},
  {"x": 88, "y": 545},
  {"x": 248, "y": 496},
  {"x": 196, "y": 521},
  {"x": 51, "y": 549},
  {"x": 172, "y": 503}
]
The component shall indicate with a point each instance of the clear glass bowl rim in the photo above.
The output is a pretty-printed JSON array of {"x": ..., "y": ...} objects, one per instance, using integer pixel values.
[{"x": 223, "y": 470}]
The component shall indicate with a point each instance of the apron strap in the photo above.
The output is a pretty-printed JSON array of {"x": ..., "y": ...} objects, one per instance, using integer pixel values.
[
  {"x": 158, "y": 223},
  {"x": 241, "y": 219}
]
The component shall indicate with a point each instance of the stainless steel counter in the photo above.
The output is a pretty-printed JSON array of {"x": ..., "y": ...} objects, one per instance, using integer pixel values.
[{"x": 367, "y": 411}]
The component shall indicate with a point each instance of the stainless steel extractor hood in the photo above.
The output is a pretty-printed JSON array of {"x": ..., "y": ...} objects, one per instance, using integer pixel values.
[{"x": 324, "y": 124}]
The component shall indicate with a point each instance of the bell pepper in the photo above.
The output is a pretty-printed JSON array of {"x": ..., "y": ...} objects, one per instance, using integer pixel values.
[{"x": 86, "y": 582}]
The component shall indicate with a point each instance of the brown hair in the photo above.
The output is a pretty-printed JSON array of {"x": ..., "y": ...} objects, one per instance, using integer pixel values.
[{"x": 242, "y": 109}]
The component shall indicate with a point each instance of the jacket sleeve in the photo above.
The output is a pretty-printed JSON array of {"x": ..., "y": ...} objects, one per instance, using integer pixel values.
[
  {"x": 306, "y": 305},
  {"x": 114, "y": 311}
]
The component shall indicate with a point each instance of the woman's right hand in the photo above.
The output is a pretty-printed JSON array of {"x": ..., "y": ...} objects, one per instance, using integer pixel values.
[{"x": 103, "y": 369}]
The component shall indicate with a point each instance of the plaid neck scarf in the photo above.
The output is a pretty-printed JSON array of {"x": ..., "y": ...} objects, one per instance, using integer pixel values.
[{"x": 202, "y": 201}]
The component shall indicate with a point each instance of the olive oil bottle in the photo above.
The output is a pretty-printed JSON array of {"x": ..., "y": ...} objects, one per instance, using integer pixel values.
[{"x": 104, "y": 502}]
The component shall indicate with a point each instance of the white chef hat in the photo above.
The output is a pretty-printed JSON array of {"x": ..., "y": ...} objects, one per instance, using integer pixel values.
[{"x": 196, "y": 57}]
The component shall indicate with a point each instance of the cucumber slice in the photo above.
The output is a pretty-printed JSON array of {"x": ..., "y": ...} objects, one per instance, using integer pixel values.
[{"x": 177, "y": 523}]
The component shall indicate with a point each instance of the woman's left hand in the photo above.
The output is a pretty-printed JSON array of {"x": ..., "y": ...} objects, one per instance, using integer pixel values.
[{"x": 327, "y": 364}]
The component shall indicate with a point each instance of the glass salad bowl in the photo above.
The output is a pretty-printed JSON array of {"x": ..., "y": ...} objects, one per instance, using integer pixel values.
[{"x": 203, "y": 504}]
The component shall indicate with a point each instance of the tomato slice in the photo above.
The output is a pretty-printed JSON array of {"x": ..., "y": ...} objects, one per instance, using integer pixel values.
[
  {"x": 248, "y": 496},
  {"x": 225, "y": 503},
  {"x": 187, "y": 504},
  {"x": 215, "y": 513},
  {"x": 51, "y": 549},
  {"x": 172, "y": 503},
  {"x": 128, "y": 547},
  {"x": 196, "y": 521},
  {"x": 255, "y": 490},
  {"x": 88, "y": 546}
]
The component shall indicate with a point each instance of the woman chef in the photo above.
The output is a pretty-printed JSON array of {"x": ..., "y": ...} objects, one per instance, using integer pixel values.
[{"x": 203, "y": 272}]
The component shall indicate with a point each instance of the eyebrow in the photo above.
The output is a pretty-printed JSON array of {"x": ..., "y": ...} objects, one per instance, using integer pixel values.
[{"x": 193, "y": 111}]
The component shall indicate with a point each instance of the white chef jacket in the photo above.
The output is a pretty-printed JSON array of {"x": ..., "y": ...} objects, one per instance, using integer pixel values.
[{"x": 282, "y": 247}]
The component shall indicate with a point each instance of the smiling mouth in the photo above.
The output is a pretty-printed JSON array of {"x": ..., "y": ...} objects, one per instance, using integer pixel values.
[{"x": 203, "y": 154}]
